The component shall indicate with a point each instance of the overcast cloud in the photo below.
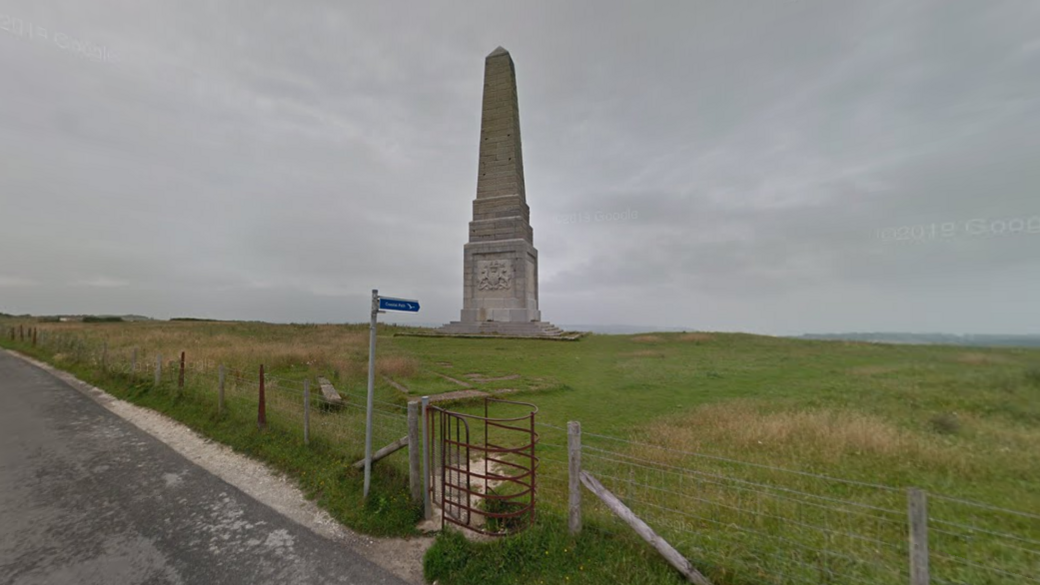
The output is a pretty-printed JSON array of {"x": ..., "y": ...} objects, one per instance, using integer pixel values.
[{"x": 722, "y": 165}]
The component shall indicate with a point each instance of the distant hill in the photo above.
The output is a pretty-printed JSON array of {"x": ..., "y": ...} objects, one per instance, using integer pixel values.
[
  {"x": 932, "y": 339},
  {"x": 622, "y": 329},
  {"x": 602, "y": 329},
  {"x": 88, "y": 318}
]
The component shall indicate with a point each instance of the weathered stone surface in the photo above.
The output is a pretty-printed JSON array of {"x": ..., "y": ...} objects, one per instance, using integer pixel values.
[
  {"x": 500, "y": 275},
  {"x": 328, "y": 392}
]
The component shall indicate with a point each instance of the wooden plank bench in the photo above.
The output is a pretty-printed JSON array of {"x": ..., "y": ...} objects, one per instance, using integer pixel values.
[{"x": 328, "y": 392}]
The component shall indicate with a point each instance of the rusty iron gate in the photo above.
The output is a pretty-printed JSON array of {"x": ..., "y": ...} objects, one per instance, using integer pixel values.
[{"x": 484, "y": 468}]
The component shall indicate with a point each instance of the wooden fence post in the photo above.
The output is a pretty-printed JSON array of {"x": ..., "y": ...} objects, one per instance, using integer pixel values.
[
  {"x": 641, "y": 528},
  {"x": 261, "y": 413},
  {"x": 917, "y": 508},
  {"x": 427, "y": 506},
  {"x": 414, "y": 467},
  {"x": 220, "y": 391},
  {"x": 21, "y": 333},
  {"x": 34, "y": 337},
  {"x": 385, "y": 451},
  {"x": 158, "y": 368},
  {"x": 574, "y": 477},
  {"x": 180, "y": 375},
  {"x": 306, "y": 412}
]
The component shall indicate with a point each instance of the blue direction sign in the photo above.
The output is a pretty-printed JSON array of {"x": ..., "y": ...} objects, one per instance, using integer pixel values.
[{"x": 388, "y": 304}]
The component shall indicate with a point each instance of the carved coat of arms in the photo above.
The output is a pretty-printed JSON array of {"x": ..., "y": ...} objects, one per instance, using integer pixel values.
[{"x": 495, "y": 275}]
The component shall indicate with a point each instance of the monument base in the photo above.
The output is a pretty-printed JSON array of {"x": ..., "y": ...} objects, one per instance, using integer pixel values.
[{"x": 504, "y": 328}]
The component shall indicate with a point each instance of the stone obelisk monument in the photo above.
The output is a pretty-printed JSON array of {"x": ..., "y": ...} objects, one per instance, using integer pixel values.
[{"x": 500, "y": 276}]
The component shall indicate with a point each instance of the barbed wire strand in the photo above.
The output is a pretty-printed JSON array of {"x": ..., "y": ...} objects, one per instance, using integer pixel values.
[
  {"x": 737, "y": 462},
  {"x": 964, "y": 561},
  {"x": 695, "y": 473},
  {"x": 982, "y": 505},
  {"x": 757, "y": 513}
]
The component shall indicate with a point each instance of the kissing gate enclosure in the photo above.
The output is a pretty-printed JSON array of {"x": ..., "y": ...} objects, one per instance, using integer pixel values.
[{"x": 482, "y": 468}]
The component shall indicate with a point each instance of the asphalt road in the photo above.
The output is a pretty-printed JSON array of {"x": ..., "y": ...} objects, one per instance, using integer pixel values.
[{"x": 86, "y": 497}]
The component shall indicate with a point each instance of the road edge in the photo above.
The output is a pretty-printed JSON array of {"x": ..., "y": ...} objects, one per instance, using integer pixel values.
[{"x": 400, "y": 556}]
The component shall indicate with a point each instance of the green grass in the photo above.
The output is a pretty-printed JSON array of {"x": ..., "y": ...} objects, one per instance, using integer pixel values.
[
  {"x": 546, "y": 554},
  {"x": 958, "y": 421}
]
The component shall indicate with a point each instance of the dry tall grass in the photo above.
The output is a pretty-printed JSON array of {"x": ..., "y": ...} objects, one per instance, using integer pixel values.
[
  {"x": 821, "y": 437},
  {"x": 746, "y": 486},
  {"x": 290, "y": 354},
  {"x": 319, "y": 349}
]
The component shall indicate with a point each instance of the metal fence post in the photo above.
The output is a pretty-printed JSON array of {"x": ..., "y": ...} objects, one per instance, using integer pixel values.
[
  {"x": 917, "y": 505},
  {"x": 427, "y": 508},
  {"x": 306, "y": 412},
  {"x": 220, "y": 390},
  {"x": 158, "y": 369},
  {"x": 371, "y": 390},
  {"x": 574, "y": 477},
  {"x": 414, "y": 467},
  {"x": 534, "y": 465}
]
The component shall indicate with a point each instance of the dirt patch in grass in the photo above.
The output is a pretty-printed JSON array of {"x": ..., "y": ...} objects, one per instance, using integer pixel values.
[{"x": 647, "y": 339}]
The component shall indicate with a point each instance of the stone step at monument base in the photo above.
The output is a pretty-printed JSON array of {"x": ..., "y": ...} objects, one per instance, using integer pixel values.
[{"x": 504, "y": 328}]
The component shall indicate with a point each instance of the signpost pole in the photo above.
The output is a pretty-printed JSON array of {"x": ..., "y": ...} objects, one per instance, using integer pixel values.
[
  {"x": 371, "y": 389},
  {"x": 378, "y": 306}
]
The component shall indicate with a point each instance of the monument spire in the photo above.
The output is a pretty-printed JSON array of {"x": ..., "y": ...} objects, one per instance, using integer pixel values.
[
  {"x": 501, "y": 168},
  {"x": 500, "y": 262}
]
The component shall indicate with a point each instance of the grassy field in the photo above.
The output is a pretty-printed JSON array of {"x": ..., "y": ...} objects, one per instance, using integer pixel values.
[{"x": 964, "y": 422}]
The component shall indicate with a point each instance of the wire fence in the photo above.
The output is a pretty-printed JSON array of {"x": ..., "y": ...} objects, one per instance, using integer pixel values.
[
  {"x": 781, "y": 526},
  {"x": 339, "y": 426},
  {"x": 737, "y": 521}
]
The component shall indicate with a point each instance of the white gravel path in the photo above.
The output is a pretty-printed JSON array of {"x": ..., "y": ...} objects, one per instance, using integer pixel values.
[{"x": 402, "y": 557}]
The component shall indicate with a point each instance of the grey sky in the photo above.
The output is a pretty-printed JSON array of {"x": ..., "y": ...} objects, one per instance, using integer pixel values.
[{"x": 278, "y": 162}]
